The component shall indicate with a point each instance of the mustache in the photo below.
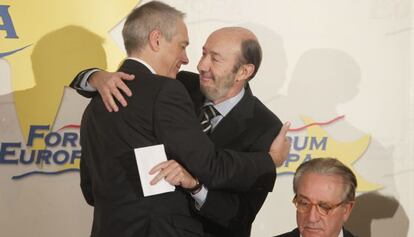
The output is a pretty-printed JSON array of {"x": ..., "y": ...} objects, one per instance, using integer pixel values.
[{"x": 207, "y": 75}]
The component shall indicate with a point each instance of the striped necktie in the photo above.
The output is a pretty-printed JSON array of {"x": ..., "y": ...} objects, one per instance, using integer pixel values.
[{"x": 208, "y": 112}]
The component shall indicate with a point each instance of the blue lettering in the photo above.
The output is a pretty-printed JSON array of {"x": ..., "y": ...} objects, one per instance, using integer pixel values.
[
  {"x": 65, "y": 157},
  {"x": 71, "y": 138},
  {"x": 31, "y": 159},
  {"x": 315, "y": 145},
  {"x": 7, "y": 22},
  {"x": 298, "y": 147},
  {"x": 292, "y": 158},
  {"x": 75, "y": 155},
  {"x": 52, "y": 139},
  {"x": 33, "y": 135},
  {"x": 307, "y": 158},
  {"x": 4, "y": 151},
  {"x": 43, "y": 155}
]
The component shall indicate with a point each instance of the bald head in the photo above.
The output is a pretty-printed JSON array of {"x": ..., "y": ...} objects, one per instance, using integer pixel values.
[
  {"x": 237, "y": 33},
  {"x": 250, "y": 50}
]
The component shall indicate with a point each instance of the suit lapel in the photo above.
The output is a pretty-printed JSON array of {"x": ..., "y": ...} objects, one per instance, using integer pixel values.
[
  {"x": 347, "y": 233},
  {"x": 235, "y": 122}
]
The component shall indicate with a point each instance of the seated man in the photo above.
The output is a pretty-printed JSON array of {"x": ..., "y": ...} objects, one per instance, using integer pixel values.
[{"x": 324, "y": 196}]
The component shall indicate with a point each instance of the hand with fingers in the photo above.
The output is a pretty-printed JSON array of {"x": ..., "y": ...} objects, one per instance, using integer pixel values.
[
  {"x": 280, "y": 147},
  {"x": 110, "y": 85},
  {"x": 174, "y": 174}
]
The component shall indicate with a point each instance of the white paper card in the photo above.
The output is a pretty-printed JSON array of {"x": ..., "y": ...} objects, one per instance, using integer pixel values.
[{"x": 147, "y": 158}]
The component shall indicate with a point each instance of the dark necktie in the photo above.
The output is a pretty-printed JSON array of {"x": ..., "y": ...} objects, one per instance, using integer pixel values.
[{"x": 207, "y": 113}]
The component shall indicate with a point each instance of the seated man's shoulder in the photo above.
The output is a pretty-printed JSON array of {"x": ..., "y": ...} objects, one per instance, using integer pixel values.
[
  {"x": 348, "y": 233},
  {"x": 293, "y": 233}
]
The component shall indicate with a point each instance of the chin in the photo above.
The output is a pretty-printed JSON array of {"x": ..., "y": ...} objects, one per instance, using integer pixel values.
[{"x": 307, "y": 232}]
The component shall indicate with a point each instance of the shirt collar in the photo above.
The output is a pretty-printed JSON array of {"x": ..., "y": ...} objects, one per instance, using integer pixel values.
[
  {"x": 341, "y": 234},
  {"x": 226, "y": 106},
  {"x": 143, "y": 62}
]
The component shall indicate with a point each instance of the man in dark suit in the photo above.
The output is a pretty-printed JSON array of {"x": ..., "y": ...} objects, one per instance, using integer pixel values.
[
  {"x": 324, "y": 197},
  {"x": 231, "y": 57},
  {"x": 160, "y": 112},
  {"x": 228, "y": 53}
]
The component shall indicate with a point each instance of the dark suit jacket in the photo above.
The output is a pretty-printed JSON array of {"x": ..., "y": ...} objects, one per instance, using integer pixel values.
[
  {"x": 296, "y": 233},
  {"x": 249, "y": 126},
  {"x": 159, "y": 112}
]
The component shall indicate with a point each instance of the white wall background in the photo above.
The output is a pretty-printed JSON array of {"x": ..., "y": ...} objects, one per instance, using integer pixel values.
[{"x": 322, "y": 59}]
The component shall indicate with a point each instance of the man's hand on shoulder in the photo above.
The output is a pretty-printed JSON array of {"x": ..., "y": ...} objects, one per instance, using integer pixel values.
[
  {"x": 280, "y": 147},
  {"x": 110, "y": 85}
]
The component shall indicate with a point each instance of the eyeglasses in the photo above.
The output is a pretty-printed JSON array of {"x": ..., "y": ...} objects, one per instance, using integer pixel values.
[{"x": 305, "y": 206}]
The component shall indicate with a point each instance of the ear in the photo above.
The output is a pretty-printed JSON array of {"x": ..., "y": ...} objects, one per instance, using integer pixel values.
[
  {"x": 348, "y": 209},
  {"x": 154, "y": 39},
  {"x": 244, "y": 72}
]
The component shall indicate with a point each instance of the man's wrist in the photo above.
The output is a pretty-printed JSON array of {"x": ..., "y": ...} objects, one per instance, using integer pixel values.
[
  {"x": 197, "y": 187},
  {"x": 200, "y": 197},
  {"x": 86, "y": 85}
]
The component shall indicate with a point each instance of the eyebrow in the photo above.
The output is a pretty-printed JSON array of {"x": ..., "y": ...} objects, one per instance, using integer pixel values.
[
  {"x": 214, "y": 53},
  {"x": 302, "y": 196},
  {"x": 308, "y": 199}
]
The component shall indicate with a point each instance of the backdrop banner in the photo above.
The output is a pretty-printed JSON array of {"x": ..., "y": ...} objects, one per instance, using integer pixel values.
[{"x": 340, "y": 71}]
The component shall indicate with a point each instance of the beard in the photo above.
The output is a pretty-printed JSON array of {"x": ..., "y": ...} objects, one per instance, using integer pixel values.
[{"x": 219, "y": 88}]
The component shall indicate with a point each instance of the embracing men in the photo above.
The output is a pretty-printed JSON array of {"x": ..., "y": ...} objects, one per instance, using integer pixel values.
[{"x": 225, "y": 166}]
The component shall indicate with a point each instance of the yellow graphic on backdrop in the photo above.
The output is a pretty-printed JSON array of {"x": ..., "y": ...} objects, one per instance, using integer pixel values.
[
  {"x": 317, "y": 143},
  {"x": 62, "y": 38}
]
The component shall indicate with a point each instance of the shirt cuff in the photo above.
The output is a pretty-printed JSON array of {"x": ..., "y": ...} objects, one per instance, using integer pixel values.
[
  {"x": 200, "y": 197},
  {"x": 85, "y": 84}
]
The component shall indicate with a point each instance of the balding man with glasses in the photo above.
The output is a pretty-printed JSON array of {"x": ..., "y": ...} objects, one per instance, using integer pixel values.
[{"x": 324, "y": 196}]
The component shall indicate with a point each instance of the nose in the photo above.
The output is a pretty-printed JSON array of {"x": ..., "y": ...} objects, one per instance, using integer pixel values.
[
  {"x": 184, "y": 58},
  {"x": 203, "y": 64},
  {"x": 314, "y": 215}
]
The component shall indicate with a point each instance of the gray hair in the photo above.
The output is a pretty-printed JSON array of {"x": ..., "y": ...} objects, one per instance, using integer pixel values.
[
  {"x": 251, "y": 53},
  {"x": 147, "y": 18},
  {"x": 328, "y": 166}
]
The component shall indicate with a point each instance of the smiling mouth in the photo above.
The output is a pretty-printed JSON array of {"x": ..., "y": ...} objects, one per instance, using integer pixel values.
[{"x": 205, "y": 78}]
